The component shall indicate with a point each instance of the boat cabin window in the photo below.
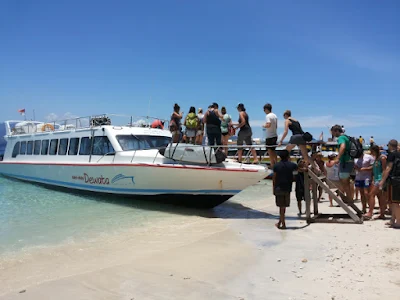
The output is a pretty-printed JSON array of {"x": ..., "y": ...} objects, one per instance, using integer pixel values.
[
  {"x": 53, "y": 147},
  {"x": 85, "y": 146},
  {"x": 45, "y": 147},
  {"x": 16, "y": 149},
  {"x": 36, "y": 149},
  {"x": 102, "y": 146},
  {"x": 73, "y": 146},
  {"x": 29, "y": 148},
  {"x": 142, "y": 142},
  {"x": 62, "y": 150},
  {"x": 23, "y": 148}
]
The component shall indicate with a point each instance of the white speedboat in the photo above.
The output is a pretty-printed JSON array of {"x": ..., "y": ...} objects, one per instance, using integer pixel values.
[{"x": 127, "y": 160}]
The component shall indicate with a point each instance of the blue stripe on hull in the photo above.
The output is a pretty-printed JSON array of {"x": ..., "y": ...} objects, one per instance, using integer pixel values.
[{"x": 120, "y": 190}]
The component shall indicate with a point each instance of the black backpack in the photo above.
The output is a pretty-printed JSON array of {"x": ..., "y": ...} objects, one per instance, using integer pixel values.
[
  {"x": 356, "y": 148},
  {"x": 395, "y": 173}
]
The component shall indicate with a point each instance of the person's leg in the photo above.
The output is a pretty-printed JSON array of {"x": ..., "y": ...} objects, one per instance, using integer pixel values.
[
  {"x": 396, "y": 213},
  {"x": 282, "y": 211},
  {"x": 358, "y": 193},
  {"x": 273, "y": 158},
  {"x": 364, "y": 197},
  {"x": 382, "y": 205},
  {"x": 374, "y": 192},
  {"x": 289, "y": 147},
  {"x": 240, "y": 142},
  {"x": 218, "y": 138},
  {"x": 271, "y": 143},
  {"x": 299, "y": 198},
  {"x": 249, "y": 142},
  {"x": 225, "y": 143},
  {"x": 319, "y": 193},
  {"x": 345, "y": 184},
  {"x": 304, "y": 153}
]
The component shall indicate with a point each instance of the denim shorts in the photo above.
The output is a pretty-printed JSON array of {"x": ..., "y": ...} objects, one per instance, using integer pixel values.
[
  {"x": 362, "y": 184},
  {"x": 345, "y": 169}
]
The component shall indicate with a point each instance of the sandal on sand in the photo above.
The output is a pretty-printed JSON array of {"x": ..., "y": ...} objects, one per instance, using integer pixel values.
[
  {"x": 380, "y": 218},
  {"x": 367, "y": 218}
]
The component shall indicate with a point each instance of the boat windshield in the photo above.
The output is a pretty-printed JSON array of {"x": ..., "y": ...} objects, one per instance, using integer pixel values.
[{"x": 142, "y": 142}]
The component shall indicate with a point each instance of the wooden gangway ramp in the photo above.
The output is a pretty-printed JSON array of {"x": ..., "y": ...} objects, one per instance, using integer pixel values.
[{"x": 353, "y": 213}]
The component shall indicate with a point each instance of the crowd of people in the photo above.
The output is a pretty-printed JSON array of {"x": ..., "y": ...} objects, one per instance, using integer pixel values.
[
  {"x": 373, "y": 175},
  {"x": 214, "y": 128}
]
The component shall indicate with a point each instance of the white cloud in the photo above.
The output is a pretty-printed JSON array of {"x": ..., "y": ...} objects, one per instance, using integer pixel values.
[{"x": 350, "y": 121}]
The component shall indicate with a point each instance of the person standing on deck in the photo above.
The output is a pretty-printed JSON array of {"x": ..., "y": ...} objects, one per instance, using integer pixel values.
[
  {"x": 282, "y": 181},
  {"x": 371, "y": 141},
  {"x": 212, "y": 121},
  {"x": 226, "y": 122},
  {"x": 297, "y": 136},
  {"x": 245, "y": 133},
  {"x": 200, "y": 129},
  {"x": 346, "y": 163},
  {"x": 271, "y": 126},
  {"x": 175, "y": 123}
]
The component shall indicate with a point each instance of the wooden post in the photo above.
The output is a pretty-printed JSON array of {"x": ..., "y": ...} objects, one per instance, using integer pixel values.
[
  {"x": 307, "y": 195},
  {"x": 315, "y": 197}
]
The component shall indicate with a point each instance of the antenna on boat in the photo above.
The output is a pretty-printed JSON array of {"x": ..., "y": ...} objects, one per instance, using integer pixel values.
[{"x": 148, "y": 109}]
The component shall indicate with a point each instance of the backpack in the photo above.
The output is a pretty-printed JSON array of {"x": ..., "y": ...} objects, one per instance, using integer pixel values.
[
  {"x": 192, "y": 122},
  {"x": 356, "y": 149},
  {"x": 395, "y": 172}
]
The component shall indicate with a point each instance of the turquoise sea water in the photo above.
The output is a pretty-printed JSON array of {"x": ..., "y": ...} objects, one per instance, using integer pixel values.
[{"x": 34, "y": 216}]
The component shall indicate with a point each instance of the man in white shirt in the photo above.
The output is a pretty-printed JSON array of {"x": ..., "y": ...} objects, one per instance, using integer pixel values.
[{"x": 271, "y": 126}]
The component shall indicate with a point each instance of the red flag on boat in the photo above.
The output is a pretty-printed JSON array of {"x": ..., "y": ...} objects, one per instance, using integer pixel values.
[{"x": 21, "y": 111}]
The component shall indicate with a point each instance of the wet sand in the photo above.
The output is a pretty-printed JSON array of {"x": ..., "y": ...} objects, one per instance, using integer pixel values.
[{"x": 232, "y": 252}]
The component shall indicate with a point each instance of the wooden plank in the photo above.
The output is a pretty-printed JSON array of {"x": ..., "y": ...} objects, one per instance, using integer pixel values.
[
  {"x": 335, "y": 197},
  {"x": 307, "y": 195},
  {"x": 315, "y": 196}
]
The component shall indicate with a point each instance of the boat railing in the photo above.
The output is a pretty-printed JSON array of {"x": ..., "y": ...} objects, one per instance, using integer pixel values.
[
  {"x": 212, "y": 149},
  {"x": 246, "y": 155},
  {"x": 85, "y": 122}
]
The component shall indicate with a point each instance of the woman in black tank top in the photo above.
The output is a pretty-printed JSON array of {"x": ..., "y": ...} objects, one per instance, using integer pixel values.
[
  {"x": 297, "y": 135},
  {"x": 245, "y": 133}
]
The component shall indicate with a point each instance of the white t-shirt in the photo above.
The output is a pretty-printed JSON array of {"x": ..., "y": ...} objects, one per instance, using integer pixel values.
[{"x": 271, "y": 131}]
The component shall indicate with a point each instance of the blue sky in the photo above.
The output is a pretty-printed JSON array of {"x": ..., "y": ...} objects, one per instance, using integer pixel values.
[{"x": 328, "y": 61}]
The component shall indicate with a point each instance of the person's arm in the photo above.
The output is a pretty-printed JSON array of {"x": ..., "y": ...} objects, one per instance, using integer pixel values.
[
  {"x": 273, "y": 182},
  {"x": 205, "y": 117},
  {"x": 285, "y": 132},
  {"x": 267, "y": 123},
  {"x": 342, "y": 149},
  {"x": 178, "y": 116},
  {"x": 324, "y": 169},
  {"x": 387, "y": 167}
]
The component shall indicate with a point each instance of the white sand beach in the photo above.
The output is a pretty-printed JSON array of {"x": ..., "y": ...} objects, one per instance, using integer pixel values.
[{"x": 232, "y": 252}]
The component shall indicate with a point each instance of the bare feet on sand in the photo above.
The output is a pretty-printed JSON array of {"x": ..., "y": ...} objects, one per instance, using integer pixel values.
[{"x": 280, "y": 225}]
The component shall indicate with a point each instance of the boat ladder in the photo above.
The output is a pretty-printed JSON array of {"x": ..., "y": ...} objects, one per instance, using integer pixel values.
[{"x": 352, "y": 211}]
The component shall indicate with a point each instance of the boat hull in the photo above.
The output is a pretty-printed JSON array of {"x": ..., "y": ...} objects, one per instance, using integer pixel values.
[{"x": 202, "y": 186}]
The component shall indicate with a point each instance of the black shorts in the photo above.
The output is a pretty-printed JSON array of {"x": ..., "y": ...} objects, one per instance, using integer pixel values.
[
  {"x": 300, "y": 195},
  {"x": 271, "y": 142},
  {"x": 282, "y": 199},
  {"x": 225, "y": 133}
]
